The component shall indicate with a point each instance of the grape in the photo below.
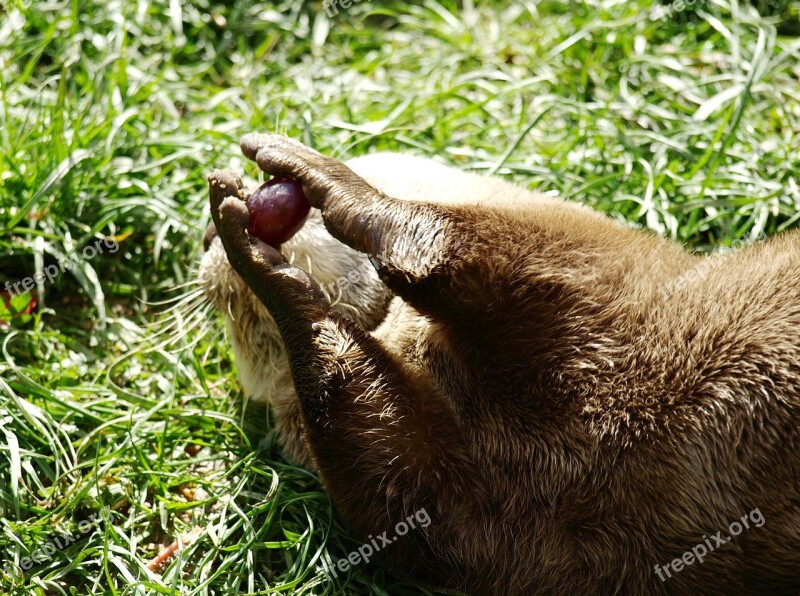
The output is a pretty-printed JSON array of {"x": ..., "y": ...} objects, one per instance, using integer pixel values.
[{"x": 278, "y": 209}]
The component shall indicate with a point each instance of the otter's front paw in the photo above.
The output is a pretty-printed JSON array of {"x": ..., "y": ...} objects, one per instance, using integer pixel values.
[
  {"x": 325, "y": 180},
  {"x": 292, "y": 297},
  {"x": 229, "y": 211}
]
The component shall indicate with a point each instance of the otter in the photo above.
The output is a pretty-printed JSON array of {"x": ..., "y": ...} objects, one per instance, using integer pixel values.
[{"x": 576, "y": 405}]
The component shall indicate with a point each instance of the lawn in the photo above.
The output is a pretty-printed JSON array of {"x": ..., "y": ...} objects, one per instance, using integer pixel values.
[{"x": 121, "y": 421}]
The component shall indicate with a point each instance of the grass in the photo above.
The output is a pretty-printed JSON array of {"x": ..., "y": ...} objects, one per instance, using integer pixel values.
[{"x": 113, "y": 112}]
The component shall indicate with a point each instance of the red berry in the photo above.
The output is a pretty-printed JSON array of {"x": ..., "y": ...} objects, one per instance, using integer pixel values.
[{"x": 278, "y": 209}]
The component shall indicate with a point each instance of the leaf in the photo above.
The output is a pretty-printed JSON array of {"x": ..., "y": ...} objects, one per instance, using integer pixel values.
[
  {"x": 714, "y": 103},
  {"x": 16, "y": 306}
]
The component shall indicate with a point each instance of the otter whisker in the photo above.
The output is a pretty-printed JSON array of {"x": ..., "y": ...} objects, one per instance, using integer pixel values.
[
  {"x": 196, "y": 307},
  {"x": 168, "y": 317},
  {"x": 197, "y": 318},
  {"x": 179, "y": 317},
  {"x": 177, "y": 301}
]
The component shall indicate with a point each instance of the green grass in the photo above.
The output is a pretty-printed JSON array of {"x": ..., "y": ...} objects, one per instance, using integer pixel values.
[{"x": 113, "y": 112}]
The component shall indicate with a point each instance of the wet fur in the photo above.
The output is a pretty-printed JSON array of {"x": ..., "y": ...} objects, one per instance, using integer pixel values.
[{"x": 568, "y": 401}]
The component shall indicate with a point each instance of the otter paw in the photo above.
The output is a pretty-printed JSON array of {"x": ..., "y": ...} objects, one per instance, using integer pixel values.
[{"x": 323, "y": 178}]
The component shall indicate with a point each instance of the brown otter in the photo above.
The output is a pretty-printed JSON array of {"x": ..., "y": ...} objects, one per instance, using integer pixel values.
[{"x": 571, "y": 405}]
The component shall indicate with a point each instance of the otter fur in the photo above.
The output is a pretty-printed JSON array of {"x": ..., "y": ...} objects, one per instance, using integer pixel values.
[{"x": 575, "y": 404}]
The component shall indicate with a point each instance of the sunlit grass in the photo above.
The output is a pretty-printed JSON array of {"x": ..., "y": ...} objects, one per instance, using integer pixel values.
[{"x": 112, "y": 114}]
